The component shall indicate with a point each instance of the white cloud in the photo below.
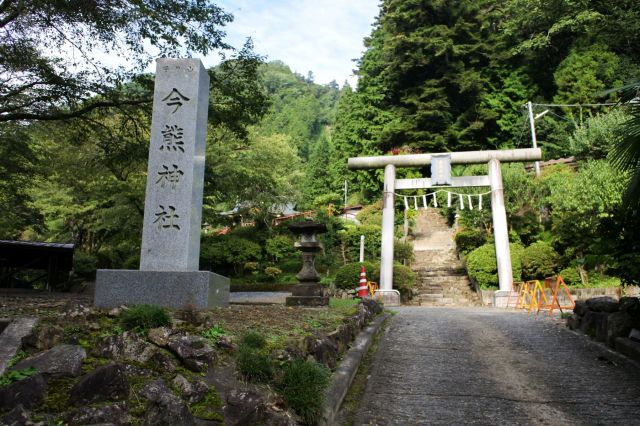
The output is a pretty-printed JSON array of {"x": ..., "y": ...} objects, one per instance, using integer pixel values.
[{"x": 322, "y": 36}]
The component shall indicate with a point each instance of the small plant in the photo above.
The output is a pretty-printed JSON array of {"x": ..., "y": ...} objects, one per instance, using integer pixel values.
[
  {"x": 272, "y": 272},
  {"x": 214, "y": 333},
  {"x": 254, "y": 364},
  {"x": 253, "y": 359},
  {"x": 254, "y": 340},
  {"x": 142, "y": 318},
  {"x": 16, "y": 375},
  {"x": 303, "y": 387},
  {"x": 19, "y": 356}
]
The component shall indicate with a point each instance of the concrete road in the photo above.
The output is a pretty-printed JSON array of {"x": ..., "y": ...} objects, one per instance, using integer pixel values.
[{"x": 489, "y": 367}]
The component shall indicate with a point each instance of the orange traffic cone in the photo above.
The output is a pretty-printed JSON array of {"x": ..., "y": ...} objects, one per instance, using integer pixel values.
[{"x": 363, "y": 290}]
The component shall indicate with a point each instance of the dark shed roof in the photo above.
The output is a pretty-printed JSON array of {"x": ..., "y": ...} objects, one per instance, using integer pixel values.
[{"x": 35, "y": 255}]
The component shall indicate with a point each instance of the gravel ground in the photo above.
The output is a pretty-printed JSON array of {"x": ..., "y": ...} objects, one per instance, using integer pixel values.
[
  {"x": 480, "y": 366},
  {"x": 17, "y": 303}
]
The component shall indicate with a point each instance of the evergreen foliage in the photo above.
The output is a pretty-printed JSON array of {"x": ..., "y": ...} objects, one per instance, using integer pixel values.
[{"x": 142, "y": 318}]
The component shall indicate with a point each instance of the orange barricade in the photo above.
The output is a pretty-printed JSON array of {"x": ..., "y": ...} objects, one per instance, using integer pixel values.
[
  {"x": 556, "y": 288},
  {"x": 373, "y": 290}
]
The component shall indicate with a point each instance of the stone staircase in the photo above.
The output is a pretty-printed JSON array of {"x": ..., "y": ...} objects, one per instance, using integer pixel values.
[{"x": 441, "y": 279}]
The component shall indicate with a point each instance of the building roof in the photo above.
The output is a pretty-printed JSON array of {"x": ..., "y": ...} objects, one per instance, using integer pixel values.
[{"x": 35, "y": 254}]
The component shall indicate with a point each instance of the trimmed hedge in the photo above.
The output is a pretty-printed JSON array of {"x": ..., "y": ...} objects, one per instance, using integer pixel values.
[
  {"x": 482, "y": 266},
  {"x": 539, "y": 260},
  {"x": 468, "y": 240},
  {"x": 348, "y": 277}
]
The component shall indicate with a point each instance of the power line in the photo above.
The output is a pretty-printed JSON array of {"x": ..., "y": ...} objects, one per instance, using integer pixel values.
[{"x": 576, "y": 105}]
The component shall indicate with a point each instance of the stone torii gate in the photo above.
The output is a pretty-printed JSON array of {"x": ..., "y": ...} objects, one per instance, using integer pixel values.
[{"x": 441, "y": 176}]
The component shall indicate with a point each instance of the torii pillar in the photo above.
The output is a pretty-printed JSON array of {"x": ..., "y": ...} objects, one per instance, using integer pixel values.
[{"x": 499, "y": 216}]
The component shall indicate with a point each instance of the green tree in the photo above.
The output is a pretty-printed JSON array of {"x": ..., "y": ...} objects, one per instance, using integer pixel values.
[{"x": 52, "y": 52}]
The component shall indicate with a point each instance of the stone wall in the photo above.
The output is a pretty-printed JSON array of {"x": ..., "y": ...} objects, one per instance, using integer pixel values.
[{"x": 606, "y": 319}]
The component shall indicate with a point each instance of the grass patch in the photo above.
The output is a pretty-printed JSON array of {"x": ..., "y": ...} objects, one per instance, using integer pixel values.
[
  {"x": 209, "y": 408},
  {"x": 343, "y": 303},
  {"x": 142, "y": 318},
  {"x": 253, "y": 358},
  {"x": 303, "y": 386}
]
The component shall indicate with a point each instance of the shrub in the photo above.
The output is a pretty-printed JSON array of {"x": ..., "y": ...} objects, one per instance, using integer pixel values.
[
  {"x": 228, "y": 253},
  {"x": 142, "y": 318},
  {"x": 348, "y": 276},
  {"x": 403, "y": 280},
  {"x": 292, "y": 265},
  {"x": 571, "y": 276},
  {"x": 371, "y": 215},
  {"x": 538, "y": 261},
  {"x": 254, "y": 340},
  {"x": 351, "y": 240},
  {"x": 303, "y": 387},
  {"x": 403, "y": 251},
  {"x": 253, "y": 360},
  {"x": 483, "y": 269},
  {"x": 468, "y": 240},
  {"x": 84, "y": 264},
  {"x": 272, "y": 272},
  {"x": 279, "y": 247}
]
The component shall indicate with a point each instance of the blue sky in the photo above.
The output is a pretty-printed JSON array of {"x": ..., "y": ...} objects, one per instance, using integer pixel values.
[{"x": 322, "y": 36}]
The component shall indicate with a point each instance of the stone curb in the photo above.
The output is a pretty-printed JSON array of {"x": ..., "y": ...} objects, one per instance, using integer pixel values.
[{"x": 344, "y": 374}]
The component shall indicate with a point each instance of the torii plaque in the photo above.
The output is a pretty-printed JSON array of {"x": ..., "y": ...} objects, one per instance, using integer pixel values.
[{"x": 498, "y": 213}]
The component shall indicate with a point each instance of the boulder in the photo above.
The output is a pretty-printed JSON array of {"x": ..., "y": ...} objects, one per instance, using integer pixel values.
[
  {"x": 192, "y": 392},
  {"x": 243, "y": 408},
  {"x": 194, "y": 352},
  {"x": 601, "y": 326},
  {"x": 59, "y": 361},
  {"x": 580, "y": 308},
  {"x": 323, "y": 351},
  {"x": 27, "y": 392},
  {"x": 573, "y": 322},
  {"x": 341, "y": 337},
  {"x": 588, "y": 323},
  {"x": 163, "y": 407},
  {"x": 109, "y": 414},
  {"x": 630, "y": 305},
  {"x": 619, "y": 324},
  {"x": 106, "y": 383},
  {"x": 125, "y": 347},
  {"x": 16, "y": 417},
  {"x": 602, "y": 304},
  {"x": 44, "y": 337},
  {"x": 160, "y": 336},
  {"x": 163, "y": 361}
]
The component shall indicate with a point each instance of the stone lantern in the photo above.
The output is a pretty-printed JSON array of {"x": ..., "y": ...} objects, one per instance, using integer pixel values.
[{"x": 308, "y": 291}]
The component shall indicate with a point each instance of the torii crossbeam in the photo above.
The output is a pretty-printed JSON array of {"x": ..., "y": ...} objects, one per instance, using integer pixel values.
[{"x": 493, "y": 180}]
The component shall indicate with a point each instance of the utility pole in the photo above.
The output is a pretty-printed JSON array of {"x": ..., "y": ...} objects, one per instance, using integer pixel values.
[{"x": 532, "y": 122}]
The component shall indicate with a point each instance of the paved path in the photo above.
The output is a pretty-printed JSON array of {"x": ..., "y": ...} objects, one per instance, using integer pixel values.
[
  {"x": 479, "y": 366},
  {"x": 259, "y": 297}
]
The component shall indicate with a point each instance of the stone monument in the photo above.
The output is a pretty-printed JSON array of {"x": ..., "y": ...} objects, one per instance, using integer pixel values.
[
  {"x": 308, "y": 291},
  {"x": 169, "y": 258}
]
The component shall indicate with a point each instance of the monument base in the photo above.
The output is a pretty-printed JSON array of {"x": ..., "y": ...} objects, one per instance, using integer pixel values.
[
  {"x": 177, "y": 290},
  {"x": 501, "y": 298},
  {"x": 308, "y": 294},
  {"x": 390, "y": 297}
]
